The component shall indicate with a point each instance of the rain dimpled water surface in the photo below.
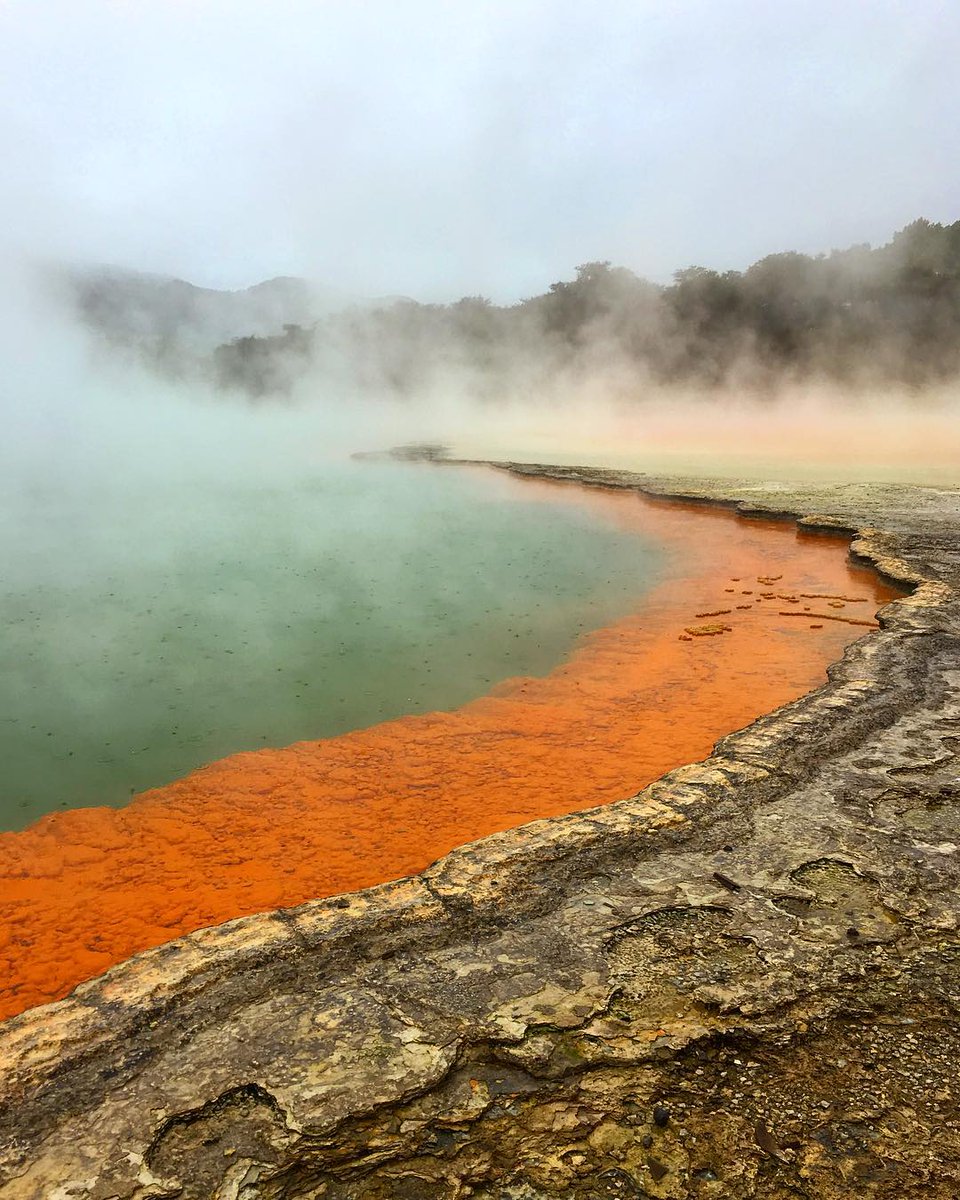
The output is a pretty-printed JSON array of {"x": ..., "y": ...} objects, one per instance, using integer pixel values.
[{"x": 151, "y": 628}]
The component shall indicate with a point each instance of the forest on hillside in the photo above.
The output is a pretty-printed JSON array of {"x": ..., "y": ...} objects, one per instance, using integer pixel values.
[{"x": 862, "y": 316}]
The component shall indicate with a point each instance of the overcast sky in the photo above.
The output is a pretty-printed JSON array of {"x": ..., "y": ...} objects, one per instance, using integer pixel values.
[{"x": 473, "y": 146}]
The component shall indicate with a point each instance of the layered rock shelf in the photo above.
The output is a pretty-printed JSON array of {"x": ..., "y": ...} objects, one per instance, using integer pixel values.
[{"x": 741, "y": 982}]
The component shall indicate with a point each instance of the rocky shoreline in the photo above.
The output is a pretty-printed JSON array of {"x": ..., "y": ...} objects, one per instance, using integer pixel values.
[{"x": 742, "y": 982}]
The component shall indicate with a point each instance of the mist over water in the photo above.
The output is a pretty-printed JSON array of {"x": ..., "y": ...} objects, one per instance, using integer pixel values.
[
  {"x": 186, "y": 576},
  {"x": 183, "y": 592},
  {"x": 812, "y": 434},
  {"x": 190, "y": 570}
]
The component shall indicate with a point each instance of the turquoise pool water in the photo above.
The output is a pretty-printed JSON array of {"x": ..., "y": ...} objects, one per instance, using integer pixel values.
[{"x": 152, "y": 625}]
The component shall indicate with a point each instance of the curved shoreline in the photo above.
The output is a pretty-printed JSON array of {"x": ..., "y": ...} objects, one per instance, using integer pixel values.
[
  {"x": 83, "y": 890},
  {"x": 590, "y": 880}
]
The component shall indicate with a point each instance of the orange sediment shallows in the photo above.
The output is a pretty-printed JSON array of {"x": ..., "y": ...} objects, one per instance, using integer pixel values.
[{"x": 84, "y": 889}]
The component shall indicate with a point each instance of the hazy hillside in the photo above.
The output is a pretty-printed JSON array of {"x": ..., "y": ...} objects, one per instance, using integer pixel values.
[
  {"x": 174, "y": 322},
  {"x": 858, "y": 317}
]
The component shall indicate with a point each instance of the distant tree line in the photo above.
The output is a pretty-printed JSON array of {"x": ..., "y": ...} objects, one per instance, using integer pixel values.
[
  {"x": 889, "y": 315},
  {"x": 264, "y": 365}
]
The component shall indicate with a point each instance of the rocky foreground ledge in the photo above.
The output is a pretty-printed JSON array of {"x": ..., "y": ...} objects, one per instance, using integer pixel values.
[{"x": 743, "y": 982}]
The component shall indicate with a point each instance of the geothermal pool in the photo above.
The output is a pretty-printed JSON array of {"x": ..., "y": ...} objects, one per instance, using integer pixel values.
[
  {"x": 627, "y": 635},
  {"x": 150, "y": 630}
]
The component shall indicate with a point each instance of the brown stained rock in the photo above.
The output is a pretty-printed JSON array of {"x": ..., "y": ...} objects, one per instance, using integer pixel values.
[
  {"x": 829, "y": 617},
  {"x": 743, "y": 982},
  {"x": 712, "y": 630}
]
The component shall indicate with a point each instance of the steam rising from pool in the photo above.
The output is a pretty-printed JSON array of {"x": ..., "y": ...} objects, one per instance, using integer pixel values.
[{"x": 154, "y": 624}]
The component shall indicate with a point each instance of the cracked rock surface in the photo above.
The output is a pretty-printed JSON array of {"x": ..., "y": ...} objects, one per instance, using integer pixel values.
[{"x": 743, "y": 982}]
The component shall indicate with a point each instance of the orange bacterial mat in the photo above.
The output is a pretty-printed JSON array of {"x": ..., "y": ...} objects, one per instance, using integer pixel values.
[{"x": 743, "y": 621}]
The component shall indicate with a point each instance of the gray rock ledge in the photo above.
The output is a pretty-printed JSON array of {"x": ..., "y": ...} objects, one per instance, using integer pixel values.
[{"x": 743, "y": 982}]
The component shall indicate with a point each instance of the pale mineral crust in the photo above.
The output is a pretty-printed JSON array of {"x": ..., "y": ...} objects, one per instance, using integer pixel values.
[{"x": 742, "y": 982}]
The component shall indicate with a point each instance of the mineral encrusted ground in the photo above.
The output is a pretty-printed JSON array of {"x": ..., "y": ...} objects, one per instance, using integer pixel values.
[{"x": 743, "y": 982}]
